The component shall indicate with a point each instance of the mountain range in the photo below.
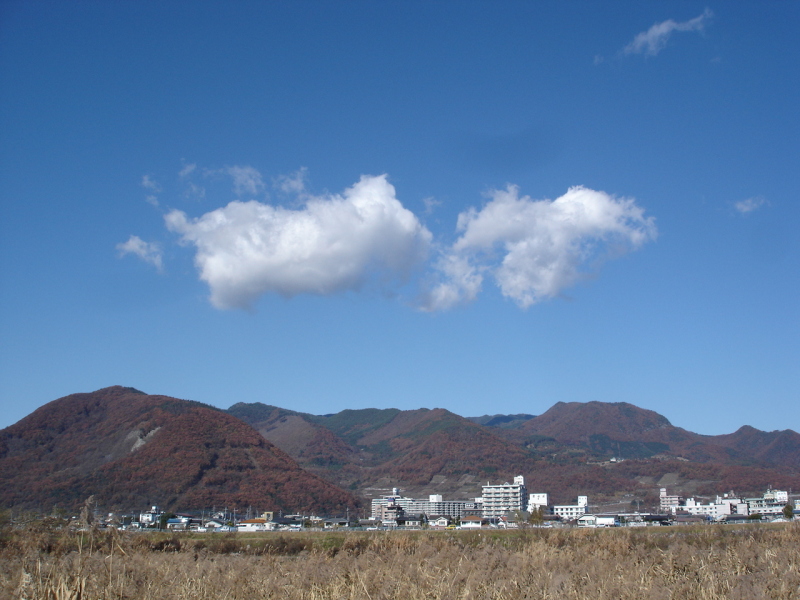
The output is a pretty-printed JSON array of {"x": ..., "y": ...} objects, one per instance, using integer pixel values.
[
  {"x": 605, "y": 449},
  {"x": 130, "y": 450}
]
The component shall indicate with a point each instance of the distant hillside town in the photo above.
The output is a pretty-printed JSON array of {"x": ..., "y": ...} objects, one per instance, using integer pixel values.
[
  {"x": 501, "y": 506},
  {"x": 509, "y": 504}
]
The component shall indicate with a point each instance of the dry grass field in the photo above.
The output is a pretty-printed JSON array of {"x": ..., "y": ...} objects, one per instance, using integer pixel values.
[{"x": 710, "y": 562}]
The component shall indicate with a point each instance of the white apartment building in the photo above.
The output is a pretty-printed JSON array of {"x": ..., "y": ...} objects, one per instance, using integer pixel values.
[
  {"x": 714, "y": 511},
  {"x": 571, "y": 512},
  {"x": 434, "y": 505},
  {"x": 536, "y": 501},
  {"x": 499, "y": 500},
  {"x": 770, "y": 504},
  {"x": 669, "y": 504}
]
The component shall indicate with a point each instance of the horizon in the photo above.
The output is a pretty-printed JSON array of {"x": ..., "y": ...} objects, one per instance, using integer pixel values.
[
  {"x": 225, "y": 409},
  {"x": 325, "y": 206}
]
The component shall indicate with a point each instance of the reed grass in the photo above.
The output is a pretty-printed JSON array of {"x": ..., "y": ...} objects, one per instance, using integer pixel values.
[{"x": 709, "y": 563}]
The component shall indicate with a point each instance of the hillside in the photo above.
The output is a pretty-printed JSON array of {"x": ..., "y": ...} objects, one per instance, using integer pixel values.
[
  {"x": 372, "y": 450},
  {"x": 622, "y": 430},
  {"x": 131, "y": 450},
  {"x": 564, "y": 451}
]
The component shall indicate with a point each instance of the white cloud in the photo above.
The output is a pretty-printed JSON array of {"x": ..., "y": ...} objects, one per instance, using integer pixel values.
[
  {"x": 198, "y": 192},
  {"x": 187, "y": 170},
  {"x": 295, "y": 183},
  {"x": 750, "y": 204},
  {"x": 431, "y": 204},
  {"x": 460, "y": 283},
  {"x": 150, "y": 184},
  {"x": 653, "y": 41},
  {"x": 148, "y": 251},
  {"x": 246, "y": 180},
  {"x": 333, "y": 243},
  {"x": 536, "y": 248}
]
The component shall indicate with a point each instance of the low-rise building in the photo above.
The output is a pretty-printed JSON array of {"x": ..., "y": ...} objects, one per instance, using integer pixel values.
[
  {"x": 150, "y": 517},
  {"x": 598, "y": 521},
  {"x": 250, "y": 525},
  {"x": 472, "y": 522},
  {"x": 537, "y": 501},
  {"x": 570, "y": 512},
  {"x": 440, "y": 522},
  {"x": 715, "y": 511}
]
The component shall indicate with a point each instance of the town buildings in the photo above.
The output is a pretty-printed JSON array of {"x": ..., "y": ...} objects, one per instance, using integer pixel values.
[
  {"x": 769, "y": 504},
  {"x": 435, "y": 505},
  {"x": 501, "y": 506}
]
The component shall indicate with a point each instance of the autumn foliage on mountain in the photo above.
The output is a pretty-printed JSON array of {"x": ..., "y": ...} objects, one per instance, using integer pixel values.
[
  {"x": 566, "y": 451},
  {"x": 130, "y": 450}
]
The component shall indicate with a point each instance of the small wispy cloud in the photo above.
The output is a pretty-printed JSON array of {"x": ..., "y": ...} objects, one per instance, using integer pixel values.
[
  {"x": 294, "y": 183},
  {"x": 192, "y": 189},
  {"x": 655, "y": 39},
  {"x": 187, "y": 170},
  {"x": 149, "y": 252},
  {"x": 150, "y": 184},
  {"x": 246, "y": 180},
  {"x": 153, "y": 188},
  {"x": 431, "y": 204},
  {"x": 750, "y": 204}
]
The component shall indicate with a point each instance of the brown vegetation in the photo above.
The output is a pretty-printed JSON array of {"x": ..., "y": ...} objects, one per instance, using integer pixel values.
[
  {"x": 710, "y": 562},
  {"x": 131, "y": 449},
  {"x": 435, "y": 451}
]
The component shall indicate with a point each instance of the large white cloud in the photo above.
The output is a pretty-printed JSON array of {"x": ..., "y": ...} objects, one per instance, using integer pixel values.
[
  {"x": 333, "y": 243},
  {"x": 536, "y": 248},
  {"x": 653, "y": 41}
]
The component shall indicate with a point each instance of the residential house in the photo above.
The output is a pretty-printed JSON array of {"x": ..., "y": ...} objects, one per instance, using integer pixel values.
[
  {"x": 472, "y": 522},
  {"x": 250, "y": 525}
]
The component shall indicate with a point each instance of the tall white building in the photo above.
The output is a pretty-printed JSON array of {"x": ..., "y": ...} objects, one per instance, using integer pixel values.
[
  {"x": 669, "y": 504},
  {"x": 499, "y": 500}
]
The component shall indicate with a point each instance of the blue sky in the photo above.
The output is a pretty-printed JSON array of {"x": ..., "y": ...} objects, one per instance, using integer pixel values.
[{"x": 485, "y": 207}]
